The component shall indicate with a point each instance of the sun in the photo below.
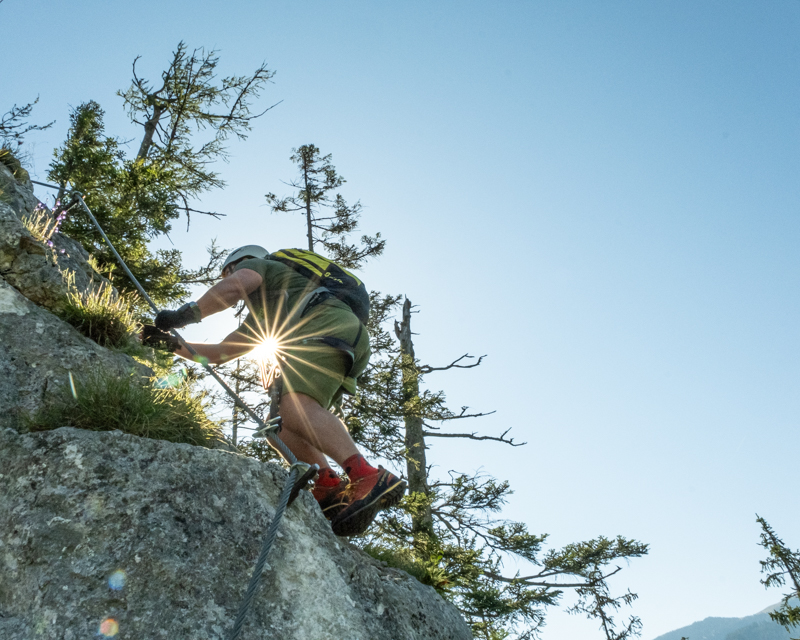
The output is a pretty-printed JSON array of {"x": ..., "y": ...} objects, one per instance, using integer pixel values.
[
  {"x": 267, "y": 351},
  {"x": 266, "y": 355}
]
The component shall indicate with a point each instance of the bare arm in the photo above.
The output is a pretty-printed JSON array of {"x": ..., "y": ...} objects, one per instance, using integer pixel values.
[
  {"x": 228, "y": 292},
  {"x": 233, "y": 346}
]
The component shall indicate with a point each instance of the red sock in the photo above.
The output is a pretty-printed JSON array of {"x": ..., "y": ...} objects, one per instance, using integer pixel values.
[
  {"x": 356, "y": 467},
  {"x": 328, "y": 478}
]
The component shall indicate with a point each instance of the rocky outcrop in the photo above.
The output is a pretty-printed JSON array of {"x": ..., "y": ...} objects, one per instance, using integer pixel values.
[
  {"x": 161, "y": 539},
  {"x": 34, "y": 269},
  {"x": 37, "y": 350}
]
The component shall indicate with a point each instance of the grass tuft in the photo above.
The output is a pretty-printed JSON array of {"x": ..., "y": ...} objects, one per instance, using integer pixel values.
[
  {"x": 40, "y": 223},
  {"x": 101, "y": 315},
  {"x": 133, "y": 405}
]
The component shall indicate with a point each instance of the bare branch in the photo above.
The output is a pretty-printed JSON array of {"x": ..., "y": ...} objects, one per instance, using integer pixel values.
[
  {"x": 453, "y": 365},
  {"x": 473, "y": 436}
]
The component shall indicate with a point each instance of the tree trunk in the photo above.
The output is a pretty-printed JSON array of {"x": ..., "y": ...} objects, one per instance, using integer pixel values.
[
  {"x": 149, "y": 131},
  {"x": 416, "y": 464},
  {"x": 308, "y": 207}
]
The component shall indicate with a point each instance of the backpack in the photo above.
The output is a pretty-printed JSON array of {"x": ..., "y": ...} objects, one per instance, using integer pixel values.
[{"x": 326, "y": 273}]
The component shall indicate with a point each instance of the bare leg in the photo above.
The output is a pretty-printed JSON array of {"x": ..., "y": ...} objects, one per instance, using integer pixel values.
[{"x": 310, "y": 430}]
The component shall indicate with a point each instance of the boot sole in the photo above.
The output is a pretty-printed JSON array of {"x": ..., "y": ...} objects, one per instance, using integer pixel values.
[{"x": 359, "y": 520}]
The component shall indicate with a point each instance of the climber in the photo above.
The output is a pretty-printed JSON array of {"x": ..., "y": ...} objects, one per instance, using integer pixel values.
[{"x": 323, "y": 348}]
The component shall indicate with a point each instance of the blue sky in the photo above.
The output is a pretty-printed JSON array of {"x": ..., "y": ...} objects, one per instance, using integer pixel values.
[{"x": 600, "y": 196}]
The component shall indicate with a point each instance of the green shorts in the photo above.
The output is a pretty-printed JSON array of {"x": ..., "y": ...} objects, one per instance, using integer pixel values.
[{"x": 316, "y": 369}]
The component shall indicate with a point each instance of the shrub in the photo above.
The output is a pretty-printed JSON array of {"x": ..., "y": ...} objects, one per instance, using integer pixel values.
[
  {"x": 104, "y": 403},
  {"x": 101, "y": 315}
]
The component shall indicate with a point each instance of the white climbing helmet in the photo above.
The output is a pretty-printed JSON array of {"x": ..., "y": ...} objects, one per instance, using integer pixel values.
[{"x": 247, "y": 251}]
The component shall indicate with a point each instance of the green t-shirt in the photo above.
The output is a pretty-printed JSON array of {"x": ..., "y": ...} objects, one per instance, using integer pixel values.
[
  {"x": 278, "y": 297},
  {"x": 308, "y": 366}
]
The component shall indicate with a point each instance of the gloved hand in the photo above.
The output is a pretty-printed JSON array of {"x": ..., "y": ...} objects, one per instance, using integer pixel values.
[
  {"x": 187, "y": 314},
  {"x": 158, "y": 339}
]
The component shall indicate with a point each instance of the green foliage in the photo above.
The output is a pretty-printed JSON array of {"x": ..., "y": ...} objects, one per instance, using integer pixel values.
[
  {"x": 131, "y": 202},
  {"x": 187, "y": 103},
  {"x": 137, "y": 200},
  {"x": 782, "y": 565},
  {"x": 100, "y": 314},
  {"x": 104, "y": 403},
  {"x": 448, "y": 533}
]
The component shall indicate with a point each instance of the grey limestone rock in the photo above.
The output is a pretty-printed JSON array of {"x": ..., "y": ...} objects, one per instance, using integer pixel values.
[
  {"x": 161, "y": 539},
  {"x": 16, "y": 192},
  {"x": 37, "y": 353},
  {"x": 38, "y": 271}
]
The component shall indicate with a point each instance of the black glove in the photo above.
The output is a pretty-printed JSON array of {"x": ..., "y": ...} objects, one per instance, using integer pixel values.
[
  {"x": 187, "y": 314},
  {"x": 158, "y": 339}
]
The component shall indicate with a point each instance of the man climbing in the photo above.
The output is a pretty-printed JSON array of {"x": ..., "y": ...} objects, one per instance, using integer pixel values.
[{"x": 324, "y": 347}]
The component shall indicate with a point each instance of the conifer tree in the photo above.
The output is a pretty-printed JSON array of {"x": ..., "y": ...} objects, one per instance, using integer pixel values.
[
  {"x": 447, "y": 532},
  {"x": 129, "y": 200},
  {"x": 188, "y": 102},
  {"x": 782, "y": 566},
  {"x": 138, "y": 199},
  {"x": 329, "y": 219}
]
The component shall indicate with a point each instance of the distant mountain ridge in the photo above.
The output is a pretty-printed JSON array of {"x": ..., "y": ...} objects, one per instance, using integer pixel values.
[{"x": 756, "y": 627}]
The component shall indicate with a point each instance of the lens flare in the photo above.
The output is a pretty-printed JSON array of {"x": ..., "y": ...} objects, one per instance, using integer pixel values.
[
  {"x": 108, "y": 628},
  {"x": 116, "y": 580},
  {"x": 267, "y": 350},
  {"x": 266, "y": 354}
]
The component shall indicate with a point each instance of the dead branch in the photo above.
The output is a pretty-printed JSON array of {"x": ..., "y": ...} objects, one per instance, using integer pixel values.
[
  {"x": 473, "y": 436},
  {"x": 453, "y": 365}
]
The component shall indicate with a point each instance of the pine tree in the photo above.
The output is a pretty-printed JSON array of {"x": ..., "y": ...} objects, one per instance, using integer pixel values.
[
  {"x": 130, "y": 201},
  {"x": 329, "y": 219},
  {"x": 781, "y": 566},
  {"x": 187, "y": 103}
]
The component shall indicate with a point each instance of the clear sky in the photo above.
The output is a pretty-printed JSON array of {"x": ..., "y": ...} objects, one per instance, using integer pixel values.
[{"x": 602, "y": 196}]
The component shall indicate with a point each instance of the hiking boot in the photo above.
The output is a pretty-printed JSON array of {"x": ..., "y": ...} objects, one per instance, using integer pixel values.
[
  {"x": 331, "y": 499},
  {"x": 368, "y": 496}
]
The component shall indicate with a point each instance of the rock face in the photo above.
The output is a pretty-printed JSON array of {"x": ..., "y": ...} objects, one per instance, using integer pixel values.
[
  {"x": 37, "y": 350},
  {"x": 161, "y": 539},
  {"x": 32, "y": 267}
]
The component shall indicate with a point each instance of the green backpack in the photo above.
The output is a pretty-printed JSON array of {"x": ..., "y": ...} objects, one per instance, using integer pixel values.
[{"x": 326, "y": 273}]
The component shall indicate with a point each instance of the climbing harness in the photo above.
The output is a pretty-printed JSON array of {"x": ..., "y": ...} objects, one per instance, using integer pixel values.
[{"x": 300, "y": 473}]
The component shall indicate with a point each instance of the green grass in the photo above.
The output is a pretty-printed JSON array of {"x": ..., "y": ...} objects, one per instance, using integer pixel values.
[
  {"x": 101, "y": 315},
  {"x": 103, "y": 402}
]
